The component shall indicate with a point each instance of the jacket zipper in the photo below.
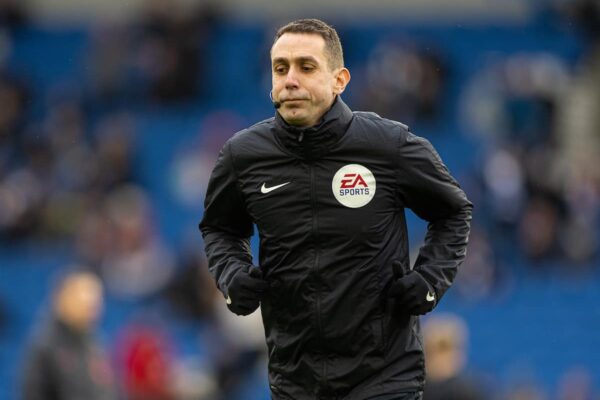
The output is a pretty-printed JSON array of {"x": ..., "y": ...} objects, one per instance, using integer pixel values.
[{"x": 315, "y": 232}]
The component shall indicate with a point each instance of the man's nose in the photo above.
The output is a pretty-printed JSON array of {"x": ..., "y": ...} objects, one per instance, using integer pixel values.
[{"x": 291, "y": 81}]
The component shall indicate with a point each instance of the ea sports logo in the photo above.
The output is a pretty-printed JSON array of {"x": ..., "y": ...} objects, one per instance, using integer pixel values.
[{"x": 353, "y": 185}]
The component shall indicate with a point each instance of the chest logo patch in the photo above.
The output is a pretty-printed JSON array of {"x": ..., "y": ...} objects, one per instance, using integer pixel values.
[{"x": 353, "y": 185}]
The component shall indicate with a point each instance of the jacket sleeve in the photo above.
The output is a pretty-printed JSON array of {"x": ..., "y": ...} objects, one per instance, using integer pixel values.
[
  {"x": 226, "y": 226},
  {"x": 427, "y": 188}
]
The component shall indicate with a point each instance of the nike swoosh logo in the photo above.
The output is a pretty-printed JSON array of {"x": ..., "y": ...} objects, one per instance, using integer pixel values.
[
  {"x": 430, "y": 297},
  {"x": 264, "y": 189}
]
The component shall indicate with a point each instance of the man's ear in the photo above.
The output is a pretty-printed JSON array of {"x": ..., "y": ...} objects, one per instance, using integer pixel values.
[{"x": 342, "y": 77}]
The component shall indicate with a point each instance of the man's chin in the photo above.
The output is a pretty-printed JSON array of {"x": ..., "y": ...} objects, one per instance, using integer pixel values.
[{"x": 295, "y": 119}]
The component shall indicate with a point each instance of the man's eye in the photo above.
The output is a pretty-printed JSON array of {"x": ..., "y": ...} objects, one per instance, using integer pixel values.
[
  {"x": 280, "y": 70},
  {"x": 307, "y": 67}
]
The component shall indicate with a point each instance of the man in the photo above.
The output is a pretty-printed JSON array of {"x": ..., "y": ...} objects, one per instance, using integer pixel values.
[
  {"x": 327, "y": 189},
  {"x": 64, "y": 362},
  {"x": 445, "y": 339}
]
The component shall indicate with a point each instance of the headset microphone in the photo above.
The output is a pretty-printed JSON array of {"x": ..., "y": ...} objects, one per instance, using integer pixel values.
[{"x": 276, "y": 104}]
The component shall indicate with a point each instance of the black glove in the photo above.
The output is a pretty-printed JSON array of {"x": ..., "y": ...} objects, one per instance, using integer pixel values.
[
  {"x": 245, "y": 291},
  {"x": 412, "y": 292}
]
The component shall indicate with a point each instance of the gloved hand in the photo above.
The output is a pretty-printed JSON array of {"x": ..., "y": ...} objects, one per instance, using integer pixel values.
[
  {"x": 245, "y": 291},
  {"x": 412, "y": 292}
]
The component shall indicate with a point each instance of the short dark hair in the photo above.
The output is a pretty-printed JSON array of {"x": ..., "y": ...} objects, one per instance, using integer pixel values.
[{"x": 333, "y": 46}]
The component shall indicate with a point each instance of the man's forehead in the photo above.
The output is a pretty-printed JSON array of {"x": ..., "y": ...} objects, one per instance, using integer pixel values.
[{"x": 298, "y": 46}]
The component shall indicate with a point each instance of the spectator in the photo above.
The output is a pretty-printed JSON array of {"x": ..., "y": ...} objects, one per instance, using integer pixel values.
[
  {"x": 192, "y": 165},
  {"x": 138, "y": 263},
  {"x": 13, "y": 96},
  {"x": 147, "y": 364},
  {"x": 171, "y": 40},
  {"x": 539, "y": 230},
  {"x": 404, "y": 82},
  {"x": 445, "y": 339},
  {"x": 191, "y": 292},
  {"x": 65, "y": 362},
  {"x": 242, "y": 351},
  {"x": 479, "y": 277}
]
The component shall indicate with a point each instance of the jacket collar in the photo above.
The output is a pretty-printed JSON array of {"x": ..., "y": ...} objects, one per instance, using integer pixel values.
[{"x": 315, "y": 141}]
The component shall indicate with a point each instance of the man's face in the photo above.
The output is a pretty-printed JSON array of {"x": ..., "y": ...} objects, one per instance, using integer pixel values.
[
  {"x": 79, "y": 301},
  {"x": 303, "y": 82}
]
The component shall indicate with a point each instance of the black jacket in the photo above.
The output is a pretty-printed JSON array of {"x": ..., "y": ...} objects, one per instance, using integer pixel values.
[
  {"x": 63, "y": 364},
  {"x": 328, "y": 202}
]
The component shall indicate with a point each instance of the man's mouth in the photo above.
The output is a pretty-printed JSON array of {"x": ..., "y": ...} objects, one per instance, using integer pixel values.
[{"x": 292, "y": 100}]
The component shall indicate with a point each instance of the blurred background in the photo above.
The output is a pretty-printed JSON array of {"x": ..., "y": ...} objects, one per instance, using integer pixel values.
[{"x": 111, "y": 117}]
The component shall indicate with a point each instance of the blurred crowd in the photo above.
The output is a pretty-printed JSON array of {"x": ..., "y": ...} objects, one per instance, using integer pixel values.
[
  {"x": 404, "y": 81},
  {"x": 69, "y": 174},
  {"x": 158, "y": 58},
  {"x": 534, "y": 192}
]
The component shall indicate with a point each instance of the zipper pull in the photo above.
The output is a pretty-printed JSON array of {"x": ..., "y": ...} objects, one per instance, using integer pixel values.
[{"x": 301, "y": 137}]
